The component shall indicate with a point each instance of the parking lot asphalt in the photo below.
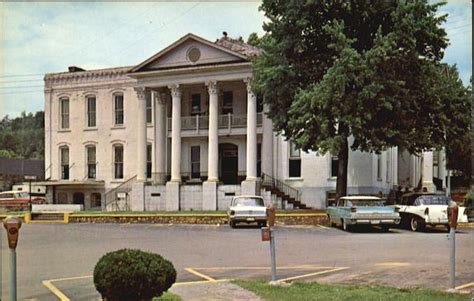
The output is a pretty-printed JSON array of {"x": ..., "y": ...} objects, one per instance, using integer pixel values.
[{"x": 59, "y": 258}]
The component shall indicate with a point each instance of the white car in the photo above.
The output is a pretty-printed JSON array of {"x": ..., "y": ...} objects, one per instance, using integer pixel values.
[
  {"x": 247, "y": 209},
  {"x": 419, "y": 210}
]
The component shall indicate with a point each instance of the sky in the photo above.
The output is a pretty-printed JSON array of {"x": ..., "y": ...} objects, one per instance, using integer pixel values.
[{"x": 44, "y": 37}]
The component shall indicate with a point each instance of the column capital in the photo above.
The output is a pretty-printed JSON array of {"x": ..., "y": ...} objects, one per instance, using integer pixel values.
[
  {"x": 212, "y": 87},
  {"x": 161, "y": 98},
  {"x": 248, "y": 83},
  {"x": 141, "y": 92},
  {"x": 175, "y": 90}
]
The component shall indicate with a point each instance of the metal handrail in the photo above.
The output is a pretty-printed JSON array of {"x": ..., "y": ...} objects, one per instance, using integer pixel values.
[
  {"x": 110, "y": 196},
  {"x": 285, "y": 188},
  {"x": 224, "y": 121}
]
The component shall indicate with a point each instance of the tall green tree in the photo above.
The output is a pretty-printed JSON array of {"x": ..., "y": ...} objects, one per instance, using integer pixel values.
[
  {"x": 363, "y": 75},
  {"x": 23, "y": 136}
]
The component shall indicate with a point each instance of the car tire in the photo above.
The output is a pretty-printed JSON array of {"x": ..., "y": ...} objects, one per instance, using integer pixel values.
[
  {"x": 448, "y": 228},
  {"x": 262, "y": 224},
  {"x": 416, "y": 224},
  {"x": 385, "y": 228},
  {"x": 345, "y": 226},
  {"x": 232, "y": 224}
]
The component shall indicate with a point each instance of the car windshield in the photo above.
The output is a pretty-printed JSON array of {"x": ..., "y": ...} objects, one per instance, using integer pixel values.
[
  {"x": 23, "y": 194},
  {"x": 435, "y": 200},
  {"x": 248, "y": 202},
  {"x": 364, "y": 203}
]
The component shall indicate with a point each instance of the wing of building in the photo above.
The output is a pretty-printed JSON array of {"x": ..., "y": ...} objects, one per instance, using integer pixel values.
[{"x": 183, "y": 130}]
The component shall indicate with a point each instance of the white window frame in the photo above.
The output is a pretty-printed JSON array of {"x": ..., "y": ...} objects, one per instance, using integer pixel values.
[
  {"x": 89, "y": 112},
  {"x": 88, "y": 162},
  {"x": 195, "y": 162},
  {"x": 149, "y": 108},
  {"x": 294, "y": 154},
  {"x": 149, "y": 160},
  {"x": 61, "y": 163},
  {"x": 116, "y": 111},
  {"x": 114, "y": 161},
  {"x": 64, "y": 116}
]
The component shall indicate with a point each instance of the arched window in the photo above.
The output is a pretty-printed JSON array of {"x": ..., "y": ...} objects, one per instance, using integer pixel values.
[
  {"x": 95, "y": 199},
  {"x": 118, "y": 109},
  {"x": 118, "y": 161},
  {"x": 91, "y": 110},
  {"x": 64, "y": 159},
  {"x": 91, "y": 161},
  {"x": 64, "y": 112}
]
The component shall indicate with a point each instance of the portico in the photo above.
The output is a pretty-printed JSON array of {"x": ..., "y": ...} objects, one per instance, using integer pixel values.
[{"x": 196, "y": 102}]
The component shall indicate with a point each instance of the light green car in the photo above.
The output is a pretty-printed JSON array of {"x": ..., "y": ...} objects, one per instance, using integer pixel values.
[{"x": 350, "y": 211}]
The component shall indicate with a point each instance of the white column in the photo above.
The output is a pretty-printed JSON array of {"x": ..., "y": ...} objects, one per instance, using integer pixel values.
[
  {"x": 267, "y": 144},
  {"x": 213, "y": 154},
  {"x": 442, "y": 172},
  {"x": 251, "y": 134},
  {"x": 427, "y": 173},
  {"x": 176, "y": 133},
  {"x": 394, "y": 152},
  {"x": 141, "y": 134},
  {"x": 159, "y": 167}
]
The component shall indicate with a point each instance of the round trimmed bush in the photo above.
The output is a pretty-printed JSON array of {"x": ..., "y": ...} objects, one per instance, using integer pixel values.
[{"x": 133, "y": 275}]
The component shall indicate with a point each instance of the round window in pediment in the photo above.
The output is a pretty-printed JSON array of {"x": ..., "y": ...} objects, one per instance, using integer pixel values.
[{"x": 194, "y": 54}]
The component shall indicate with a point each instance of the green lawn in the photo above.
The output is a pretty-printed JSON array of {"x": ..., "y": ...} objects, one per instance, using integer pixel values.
[{"x": 328, "y": 292}]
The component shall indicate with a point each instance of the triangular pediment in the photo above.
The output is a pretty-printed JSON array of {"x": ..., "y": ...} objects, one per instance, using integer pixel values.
[{"x": 189, "y": 51}]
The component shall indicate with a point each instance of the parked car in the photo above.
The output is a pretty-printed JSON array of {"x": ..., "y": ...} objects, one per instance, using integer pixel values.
[
  {"x": 247, "y": 209},
  {"x": 418, "y": 210},
  {"x": 19, "y": 199},
  {"x": 350, "y": 211}
]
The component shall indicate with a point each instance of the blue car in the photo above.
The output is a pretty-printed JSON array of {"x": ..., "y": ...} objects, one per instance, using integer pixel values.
[{"x": 350, "y": 211}]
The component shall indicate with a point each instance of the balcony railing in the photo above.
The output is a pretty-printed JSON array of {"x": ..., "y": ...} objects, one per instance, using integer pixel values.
[{"x": 225, "y": 121}]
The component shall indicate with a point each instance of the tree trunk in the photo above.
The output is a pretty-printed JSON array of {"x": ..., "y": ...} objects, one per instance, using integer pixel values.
[{"x": 343, "y": 160}]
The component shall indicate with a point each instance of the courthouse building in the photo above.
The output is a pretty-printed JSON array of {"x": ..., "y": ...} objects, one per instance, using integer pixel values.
[{"x": 183, "y": 130}]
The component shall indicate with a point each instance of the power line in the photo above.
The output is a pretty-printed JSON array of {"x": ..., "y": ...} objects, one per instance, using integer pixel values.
[
  {"x": 170, "y": 21},
  {"x": 21, "y": 87},
  {"x": 22, "y": 75},
  {"x": 106, "y": 35},
  {"x": 21, "y": 81},
  {"x": 21, "y": 92}
]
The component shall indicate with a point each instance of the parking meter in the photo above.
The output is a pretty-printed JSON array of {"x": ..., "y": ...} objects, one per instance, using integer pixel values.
[
  {"x": 13, "y": 225},
  {"x": 453, "y": 214},
  {"x": 271, "y": 215}
]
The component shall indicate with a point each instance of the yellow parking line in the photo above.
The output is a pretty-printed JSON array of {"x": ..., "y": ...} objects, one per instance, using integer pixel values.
[
  {"x": 313, "y": 274},
  {"x": 265, "y": 268},
  {"x": 200, "y": 275},
  {"x": 55, "y": 291},
  {"x": 198, "y": 282},
  {"x": 464, "y": 286},
  {"x": 393, "y": 264},
  {"x": 70, "y": 278}
]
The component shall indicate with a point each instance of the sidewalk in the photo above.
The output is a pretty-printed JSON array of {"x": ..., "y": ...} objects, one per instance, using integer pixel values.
[{"x": 213, "y": 291}]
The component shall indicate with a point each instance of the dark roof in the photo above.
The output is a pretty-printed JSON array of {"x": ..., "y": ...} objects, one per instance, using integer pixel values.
[{"x": 238, "y": 46}]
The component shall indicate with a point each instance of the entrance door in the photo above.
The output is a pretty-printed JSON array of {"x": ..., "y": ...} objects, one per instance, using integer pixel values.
[
  {"x": 78, "y": 198},
  {"x": 229, "y": 163}
]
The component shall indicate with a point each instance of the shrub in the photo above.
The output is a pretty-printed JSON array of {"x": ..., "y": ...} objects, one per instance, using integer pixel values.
[
  {"x": 133, "y": 275},
  {"x": 469, "y": 198}
]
